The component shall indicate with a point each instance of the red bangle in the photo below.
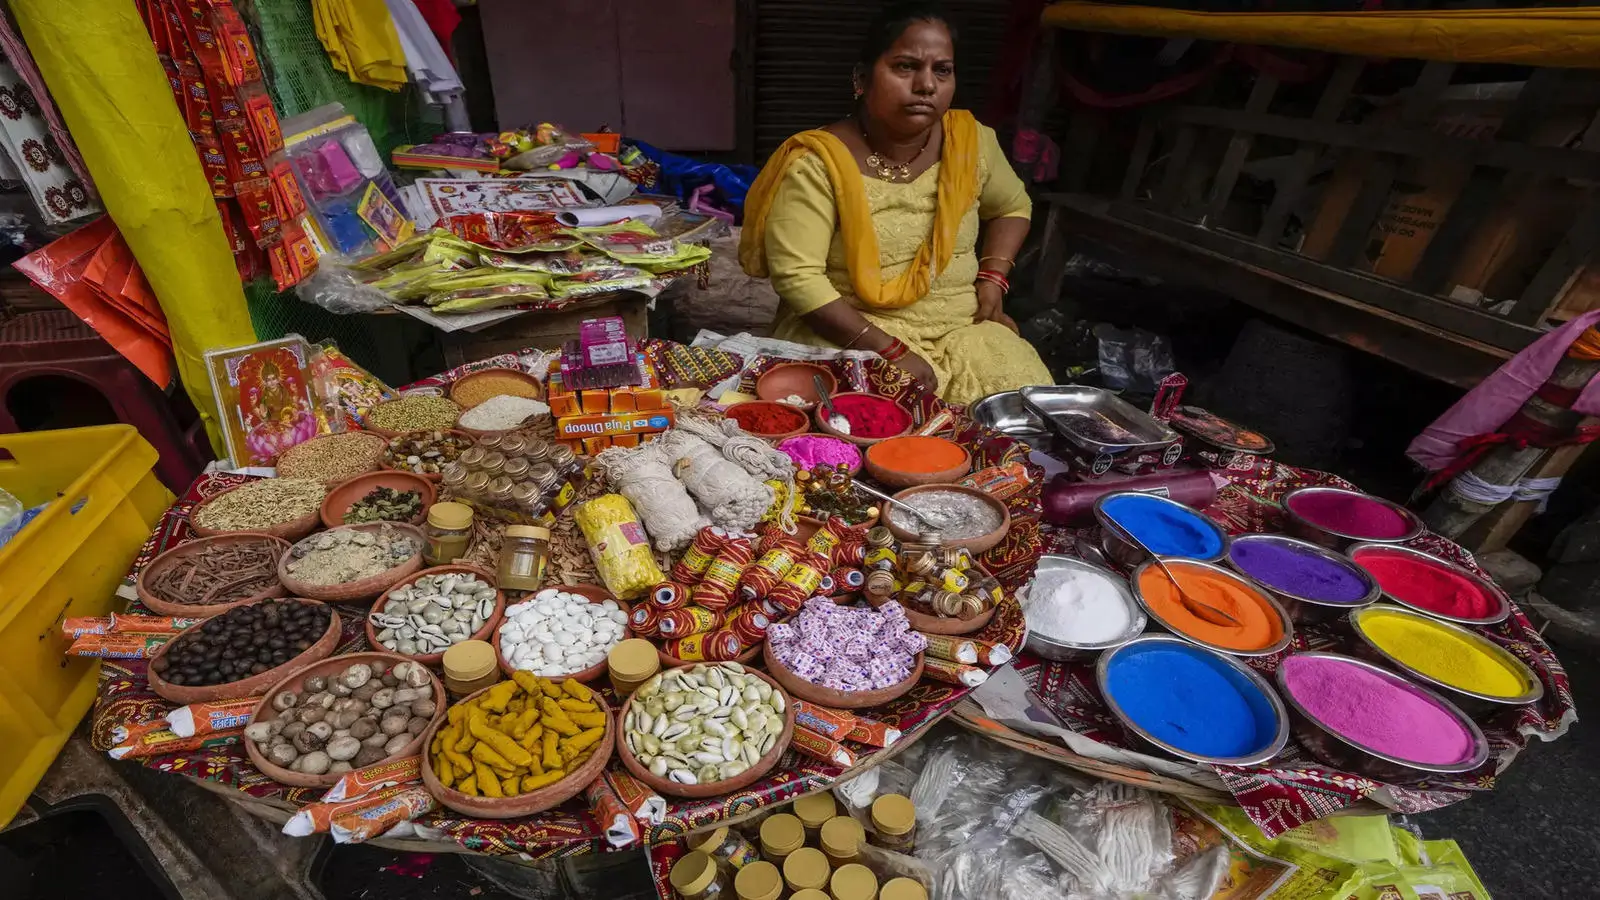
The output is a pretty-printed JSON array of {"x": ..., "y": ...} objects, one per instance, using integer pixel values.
[
  {"x": 895, "y": 351},
  {"x": 996, "y": 279}
]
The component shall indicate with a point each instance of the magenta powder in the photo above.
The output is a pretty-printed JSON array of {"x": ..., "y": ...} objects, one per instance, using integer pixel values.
[
  {"x": 1350, "y": 513},
  {"x": 809, "y": 451},
  {"x": 1375, "y": 712}
]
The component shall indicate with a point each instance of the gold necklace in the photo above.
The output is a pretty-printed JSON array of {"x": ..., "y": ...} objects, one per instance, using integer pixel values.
[{"x": 885, "y": 167}]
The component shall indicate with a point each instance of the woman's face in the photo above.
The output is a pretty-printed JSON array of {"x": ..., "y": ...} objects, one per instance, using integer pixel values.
[{"x": 910, "y": 86}]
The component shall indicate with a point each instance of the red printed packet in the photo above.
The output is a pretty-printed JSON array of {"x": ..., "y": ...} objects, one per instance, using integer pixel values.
[
  {"x": 264, "y": 122},
  {"x": 238, "y": 145},
  {"x": 260, "y": 211},
  {"x": 302, "y": 252},
  {"x": 225, "y": 102},
  {"x": 291, "y": 201},
  {"x": 241, "y": 64}
]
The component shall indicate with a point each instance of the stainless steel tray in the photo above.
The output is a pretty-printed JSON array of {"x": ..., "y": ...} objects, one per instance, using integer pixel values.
[{"x": 1096, "y": 420}]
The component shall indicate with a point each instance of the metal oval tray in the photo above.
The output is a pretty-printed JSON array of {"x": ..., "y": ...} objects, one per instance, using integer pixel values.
[{"x": 1097, "y": 420}]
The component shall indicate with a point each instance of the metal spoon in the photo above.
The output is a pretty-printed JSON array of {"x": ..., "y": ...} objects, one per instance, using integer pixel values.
[
  {"x": 1215, "y": 617},
  {"x": 872, "y": 491},
  {"x": 835, "y": 421}
]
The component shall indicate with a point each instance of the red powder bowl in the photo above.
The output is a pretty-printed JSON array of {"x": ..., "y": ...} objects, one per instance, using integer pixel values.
[
  {"x": 773, "y": 421},
  {"x": 1336, "y": 518},
  {"x": 1432, "y": 586},
  {"x": 872, "y": 418}
]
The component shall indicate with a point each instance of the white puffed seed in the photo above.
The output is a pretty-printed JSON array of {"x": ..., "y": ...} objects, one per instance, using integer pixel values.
[{"x": 558, "y": 633}]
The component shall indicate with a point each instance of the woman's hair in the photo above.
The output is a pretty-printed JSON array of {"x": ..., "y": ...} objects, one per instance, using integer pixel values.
[{"x": 892, "y": 21}]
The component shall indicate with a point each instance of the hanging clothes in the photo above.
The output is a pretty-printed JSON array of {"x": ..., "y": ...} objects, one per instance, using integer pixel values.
[
  {"x": 16, "y": 53},
  {"x": 426, "y": 60},
  {"x": 443, "y": 18},
  {"x": 361, "y": 41},
  {"x": 39, "y": 159}
]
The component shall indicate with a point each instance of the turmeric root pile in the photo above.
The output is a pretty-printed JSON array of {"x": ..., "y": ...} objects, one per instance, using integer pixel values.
[{"x": 518, "y": 736}]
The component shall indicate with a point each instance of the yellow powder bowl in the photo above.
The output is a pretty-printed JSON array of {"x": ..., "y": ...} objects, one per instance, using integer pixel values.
[{"x": 1481, "y": 676}]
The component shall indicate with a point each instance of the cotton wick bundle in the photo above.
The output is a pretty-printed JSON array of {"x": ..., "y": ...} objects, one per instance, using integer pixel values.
[
  {"x": 642, "y": 475},
  {"x": 736, "y": 500},
  {"x": 758, "y": 457}
]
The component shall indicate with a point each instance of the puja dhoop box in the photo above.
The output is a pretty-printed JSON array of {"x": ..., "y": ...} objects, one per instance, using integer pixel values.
[{"x": 592, "y": 420}]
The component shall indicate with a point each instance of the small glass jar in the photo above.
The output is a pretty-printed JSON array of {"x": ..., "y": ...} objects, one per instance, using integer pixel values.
[
  {"x": 894, "y": 823},
  {"x": 472, "y": 457},
  {"x": 476, "y": 487},
  {"x": 564, "y": 460},
  {"x": 524, "y": 556},
  {"x": 812, "y": 810},
  {"x": 536, "y": 450},
  {"x": 806, "y": 868},
  {"x": 453, "y": 476},
  {"x": 516, "y": 469},
  {"x": 528, "y": 500},
  {"x": 499, "y": 493},
  {"x": 448, "y": 532},
  {"x": 493, "y": 462},
  {"x": 470, "y": 666},
  {"x": 758, "y": 881},
  {"x": 854, "y": 882},
  {"x": 841, "y": 839},
  {"x": 696, "y": 876},
  {"x": 513, "y": 445},
  {"x": 728, "y": 847},
  {"x": 491, "y": 442},
  {"x": 545, "y": 476},
  {"x": 903, "y": 889},
  {"x": 781, "y": 835}
]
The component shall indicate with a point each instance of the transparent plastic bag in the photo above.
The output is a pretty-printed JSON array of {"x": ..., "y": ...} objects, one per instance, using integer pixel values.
[{"x": 336, "y": 289}]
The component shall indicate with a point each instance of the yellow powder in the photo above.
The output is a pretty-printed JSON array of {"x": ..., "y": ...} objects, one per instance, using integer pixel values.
[{"x": 1439, "y": 653}]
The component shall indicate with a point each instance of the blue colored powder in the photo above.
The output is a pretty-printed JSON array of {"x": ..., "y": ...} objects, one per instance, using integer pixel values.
[
  {"x": 1168, "y": 530},
  {"x": 1190, "y": 701}
]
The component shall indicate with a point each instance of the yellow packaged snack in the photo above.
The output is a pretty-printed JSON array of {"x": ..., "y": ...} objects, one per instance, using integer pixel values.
[{"x": 619, "y": 545}]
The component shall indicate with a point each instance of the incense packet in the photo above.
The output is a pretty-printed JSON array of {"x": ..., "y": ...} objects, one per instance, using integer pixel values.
[
  {"x": 119, "y": 646},
  {"x": 822, "y": 747},
  {"x": 953, "y": 673},
  {"x": 79, "y": 626},
  {"x": 317, "y": 818},
  {"x": 991, "y": 653},
  {"x": 646, "y": 805},
  {"x": 355, "y": 826},
  {"x": 141, "y": 741},
  {"x": 831, "y": 723},
  {"x": 621, "y": 829},
  {"x": 956, "y": 650},
  {"x": 872, "y": 732},
  {"x": 211, "y": 717},
  {"x": 362, "y": 782}
]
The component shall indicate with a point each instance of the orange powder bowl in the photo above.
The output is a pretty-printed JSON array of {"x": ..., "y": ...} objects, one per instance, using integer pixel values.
[
  {"x": 915, "y": 460},
  {"x": 1264, "y": 627}
]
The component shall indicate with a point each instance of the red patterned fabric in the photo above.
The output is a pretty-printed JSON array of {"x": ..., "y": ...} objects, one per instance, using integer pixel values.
[{"x": 1295, "y": 788}]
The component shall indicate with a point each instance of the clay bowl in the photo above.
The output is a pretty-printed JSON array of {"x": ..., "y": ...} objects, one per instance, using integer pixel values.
[
  {"x": 896, "y": 479},
  {"x": 537, "y": 420},
  {"x": 457, "y": 389},
  {"x": 490, "y": 625},
  {"x": 794, "y": 378},
  {"x": 824, "y": 428},
  {"x": 345, "y": 494},
  {"x": 431, "y": 476},
  {"x": 931, "y": 624},
  {"x": 855, "y": 468},
  {"x": 976, "y": 545},
  {"x": 201, "y": 611},
  {"x": 292, "y": 530},
  {"x": 547, "y": 797},
  {"x": 775, "y": 436},
  {"x": 286, "y": 464},
  {"x": 380, "y": 663},
  {"x": 831, "y": 697},
  {"x": 361, "y": 589},
  {"x": 672, "y": 662},
  {"x": 244, "y": 687},
  {"x": 727, "y": 786},
  {"x": 595, "y": 595},
  {"x": 386, "y": 433}
]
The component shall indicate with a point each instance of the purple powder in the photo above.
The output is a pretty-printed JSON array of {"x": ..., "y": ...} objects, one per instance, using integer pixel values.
[{"x": 1299, "y": 571}]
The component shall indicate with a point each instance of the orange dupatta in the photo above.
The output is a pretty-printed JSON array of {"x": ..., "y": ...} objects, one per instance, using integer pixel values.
[{"x": 958, "y": 187}]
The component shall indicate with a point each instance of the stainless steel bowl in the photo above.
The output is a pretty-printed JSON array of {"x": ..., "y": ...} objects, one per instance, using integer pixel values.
[
  {"x": 1306, "y": 610},
  {"x": 1474, "y": 703},
  {"x": 1338, "y": 540},
  {"x": 1178, "y": 565},
  {"x": 1062, "y": 650},
  {"x": 1343, "y": 753},
  {"x": 1499, "y": 614},
  {"x": 1006, "y": 413},
  {"x": 1145, "y": 740},
  {"x": 1124, "y": 553}
]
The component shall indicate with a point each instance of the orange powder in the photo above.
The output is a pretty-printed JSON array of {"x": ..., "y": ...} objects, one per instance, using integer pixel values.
[
  {"x": 917, "y": 454},
  {"x": 1259, "y": 624}
]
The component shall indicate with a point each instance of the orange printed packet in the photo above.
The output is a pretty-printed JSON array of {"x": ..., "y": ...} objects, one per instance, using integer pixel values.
[
  {"x": 317, "y": 818},
  {"x": 119, "y": 646},
  {"x": 822, "y": 747},
  {"x": 361, "y": 782},
  {"x": 646, "y": 805},
  {"x": 607, "y": 808},
  {"x": 211, "y": 717},
  {"x": 155, "y": 739},
  {"x": 355, "y": 826}
]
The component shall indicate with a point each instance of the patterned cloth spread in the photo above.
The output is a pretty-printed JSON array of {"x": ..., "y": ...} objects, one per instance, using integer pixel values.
[
  {"x": 124, "y": 694},
  {"x": 1295, "y": 788}
]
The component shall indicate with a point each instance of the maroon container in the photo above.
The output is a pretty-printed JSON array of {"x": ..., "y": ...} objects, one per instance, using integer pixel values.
[{"x": 1071, "y": 502}]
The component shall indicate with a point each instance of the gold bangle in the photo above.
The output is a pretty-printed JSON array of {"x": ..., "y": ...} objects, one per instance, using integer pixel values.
[
  {"x": 859, "y": 335},
  {"x": 1005, "y": 259}
]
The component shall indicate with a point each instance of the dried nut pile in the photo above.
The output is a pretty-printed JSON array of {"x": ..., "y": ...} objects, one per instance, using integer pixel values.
[
  {"x": 416, "y": 413},
  {"x": 703, "y": 724},
  {"x": 518, "y": 736},
  {"x": 425, "y": 452},
  {"x": 347, "y": 554},
  {"x": 348, "y": 721},
  {"x": 332, "y": 458},
  {"x": 255, "y": 505},
  {"x": 434, "y": 612},
  {"x": 384, "y": 504},
  {"x": 244, "y": 641},
  {"x": 557, "y": 633}
]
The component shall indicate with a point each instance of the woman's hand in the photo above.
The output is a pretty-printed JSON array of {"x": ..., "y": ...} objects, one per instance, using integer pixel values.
[
  {"x": 991, "y": 305},
  {"x": 918, "y": 368}
]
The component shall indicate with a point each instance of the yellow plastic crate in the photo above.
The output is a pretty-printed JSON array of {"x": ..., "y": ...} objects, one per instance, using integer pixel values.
[{"x": 67, "y": 562}]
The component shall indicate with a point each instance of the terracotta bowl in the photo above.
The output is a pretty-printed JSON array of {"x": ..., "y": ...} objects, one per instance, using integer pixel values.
[
  {"x": 244, "y": 687},
  {"x": 754, "y": 405},
  {"x": 977, "y": 544},
  {"x": 831, "y": 697},
  {"x": 895, "y": 479},
  {"x": 431, "y": 476},
  {"x": 547, "y": 797},
  {"x": 362, "y": 589},
  {"x": 380, "y": 663},
  {"x": 930, "y": 624},
  {"x": 824, "y": 428},
  {"x": 286, "y": 461},
  {"x": 345, "y": 494},
  {"x": 386, "y": 433},
  {"x": 727, "y": 786},
  {"x": 794, "y": 378},
  {"x": 289, "y": 531},
  {"x": 490, "y": 625},
  {"x": 192, "y": 610},
  {"x": 456, "y": 391},
  {"x": 595, "y": 595}
]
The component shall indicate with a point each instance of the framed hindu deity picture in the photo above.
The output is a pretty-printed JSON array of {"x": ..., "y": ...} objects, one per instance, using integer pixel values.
[{"x": 266, "y": 398}]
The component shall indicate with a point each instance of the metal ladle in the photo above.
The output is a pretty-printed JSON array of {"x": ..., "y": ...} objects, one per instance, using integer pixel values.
[
  {"x": 1211, "y": 614},
  {"x": 835, "y": 421},
  {"x": 872, "y": 491}
]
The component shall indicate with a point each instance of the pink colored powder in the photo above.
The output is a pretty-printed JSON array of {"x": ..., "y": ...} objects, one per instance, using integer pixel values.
[
  {"x": 1349, "y": 513},
  {"x": 1375, "y": 712},
  {"x": 809, "y": 451}
]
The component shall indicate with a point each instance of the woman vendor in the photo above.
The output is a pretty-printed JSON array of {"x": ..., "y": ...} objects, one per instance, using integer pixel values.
[{"x": 869, "y": 227}]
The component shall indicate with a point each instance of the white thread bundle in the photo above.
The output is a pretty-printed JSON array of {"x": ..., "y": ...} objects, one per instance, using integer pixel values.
[
  {"x": 735, "y": 499},
  {"x": 1469, "y": 486},
  {"x": 758, "y": 457},
  {"x": 1134, "y": 838},
  {"x": 1082, "y": 865},
  {"x": 643, "y": 475}
]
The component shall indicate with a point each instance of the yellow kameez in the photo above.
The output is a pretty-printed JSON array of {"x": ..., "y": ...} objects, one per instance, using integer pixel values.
[{"x": 805, "y": 254}]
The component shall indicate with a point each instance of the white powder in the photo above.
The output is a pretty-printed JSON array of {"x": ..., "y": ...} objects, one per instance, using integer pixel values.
[
  {"x": 1077, "y": 607},
  {"x": 501, "y": 412}
]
